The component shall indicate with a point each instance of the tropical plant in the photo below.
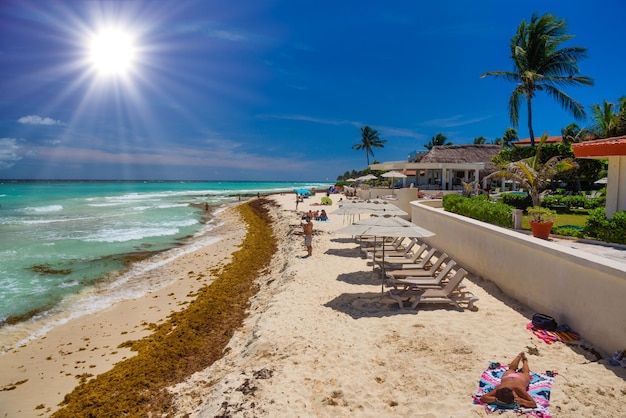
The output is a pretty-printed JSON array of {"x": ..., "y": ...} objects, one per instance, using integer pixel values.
[
  {"x": 439, "y": 139},
  {"x": 533, "y": 175},
  {"x": 621, "y": 116},
  {"x": 370, "y": 138},
  {"x": 507, "y": 140},
  {"x": 541, "y": 215},
  {"x": 469, "y": 188},
  {"x": 540, "y": 64},
  {"x": 609, "y": 120},
  {"x": 573, "y": 133},
  {"x": 479, "y": 140}
]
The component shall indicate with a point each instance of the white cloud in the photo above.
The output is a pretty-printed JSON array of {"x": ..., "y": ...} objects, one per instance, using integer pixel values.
[
  {"x": 10, "y": 151},
  {"x": 384, "y": 130},
  {"x": 310, "y": 119},
  {"x": 38, "y": 120},
  {"x": 228, "y": 35},
  {"x": 457, "y": 120}
]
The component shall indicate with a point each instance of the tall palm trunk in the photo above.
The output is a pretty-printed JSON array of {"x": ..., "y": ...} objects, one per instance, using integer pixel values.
[{"x": 530, "y": 120}]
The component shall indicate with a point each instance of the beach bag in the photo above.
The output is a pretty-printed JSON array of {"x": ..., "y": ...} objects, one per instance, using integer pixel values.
[{"x": 542, "y": 321}]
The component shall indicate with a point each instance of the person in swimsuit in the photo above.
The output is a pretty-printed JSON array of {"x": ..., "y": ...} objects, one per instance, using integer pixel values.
[
  {"x": 513, "y": 387},
  {"x": 307, "y": 229}
]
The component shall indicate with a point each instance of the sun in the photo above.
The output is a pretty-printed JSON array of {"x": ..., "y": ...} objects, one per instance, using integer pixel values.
[{"x": 112, "y": 52}]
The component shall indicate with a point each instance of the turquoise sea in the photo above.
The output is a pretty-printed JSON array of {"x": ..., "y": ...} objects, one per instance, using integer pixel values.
[{"x": 68, "y": 248}]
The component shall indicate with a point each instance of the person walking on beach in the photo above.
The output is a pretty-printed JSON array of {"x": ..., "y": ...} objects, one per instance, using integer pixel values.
[
  {"x": 307, "y": 228},
  {"x": 513, "y": 387}
]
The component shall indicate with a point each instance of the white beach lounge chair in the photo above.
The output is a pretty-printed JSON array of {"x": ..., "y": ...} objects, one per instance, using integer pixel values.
[
  {"x": 427, "y": 268},
  {"x": 451, "y": 293},
  {"x": 397, "y": 250},
  {"x": 422, "y": 278},
  {"x": 411, "y": 258},
  {"x": 422, "y": 261}
]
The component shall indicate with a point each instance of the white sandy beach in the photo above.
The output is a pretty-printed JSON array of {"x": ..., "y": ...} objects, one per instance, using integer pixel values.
[{"x": 321, "y": 341}]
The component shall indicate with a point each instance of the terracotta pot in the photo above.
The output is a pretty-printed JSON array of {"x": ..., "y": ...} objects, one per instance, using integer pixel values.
[{"x": 541, "y": 229}]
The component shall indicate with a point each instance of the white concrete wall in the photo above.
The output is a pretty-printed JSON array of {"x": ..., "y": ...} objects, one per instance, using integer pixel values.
[
  {"x": 616, "y": 187},
  {"x": 582, "y": 290}
]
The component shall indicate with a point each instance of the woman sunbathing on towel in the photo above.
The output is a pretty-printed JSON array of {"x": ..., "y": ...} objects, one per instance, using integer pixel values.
[{"x": 513, "y": 387}]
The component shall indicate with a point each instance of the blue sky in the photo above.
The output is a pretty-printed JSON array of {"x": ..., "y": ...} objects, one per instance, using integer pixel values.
[{"x": 272, "y": 89}]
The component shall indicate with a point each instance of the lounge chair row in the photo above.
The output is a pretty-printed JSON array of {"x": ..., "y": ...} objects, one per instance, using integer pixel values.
[{"x": 417, "y": 273}]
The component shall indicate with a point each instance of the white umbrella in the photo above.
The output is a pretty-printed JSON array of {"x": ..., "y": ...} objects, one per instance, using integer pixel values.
[
  {"x": 351, "y": 179},
  {"x": 367, "y": 177},
  {"x": 603, "y": 180},
  {"x": 385, "y": 226},
  {"x": 351, "y": 208},
  {"x": 363, "y": 207},
  {"x": 393, "y": 175}
]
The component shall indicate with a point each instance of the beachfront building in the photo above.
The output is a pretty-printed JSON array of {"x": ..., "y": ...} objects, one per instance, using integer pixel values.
[
  {"x": 554, "y": 140},
  {"x": 445, "y": 167},
  {"x": 614, "y": 150}
]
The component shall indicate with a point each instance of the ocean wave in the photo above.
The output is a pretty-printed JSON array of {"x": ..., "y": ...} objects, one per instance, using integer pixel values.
[
  {"x": 181, "y": 223},
  {"x": 123, "y": 235},
  {"x": 104, "y": 205},
  {"x": 41, "y": 209},
  {"x": 55, "y": 220},
  {"x": 172, "y": 205}
]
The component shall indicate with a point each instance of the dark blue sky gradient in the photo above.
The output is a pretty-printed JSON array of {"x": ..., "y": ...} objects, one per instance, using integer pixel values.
[{"x": 271, "y": 90}]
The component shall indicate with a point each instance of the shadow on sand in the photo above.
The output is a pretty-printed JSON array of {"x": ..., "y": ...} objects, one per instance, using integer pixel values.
[
  {"x": 367, "y": 278},
  {"x": 376, "y": 305},
  {"x": 344, "y": 252}
]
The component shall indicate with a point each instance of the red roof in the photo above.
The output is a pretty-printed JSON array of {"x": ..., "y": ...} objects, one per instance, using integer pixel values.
[
  {"x": 601, "y": 147},
  {"x": 550, "y": 140}
]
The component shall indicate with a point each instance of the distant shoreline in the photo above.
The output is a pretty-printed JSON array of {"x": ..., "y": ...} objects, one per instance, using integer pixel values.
[{"x": 153, "y": 181}]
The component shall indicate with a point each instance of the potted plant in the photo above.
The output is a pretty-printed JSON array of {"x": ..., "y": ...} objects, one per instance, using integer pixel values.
[{"x": 541, "y": 221}]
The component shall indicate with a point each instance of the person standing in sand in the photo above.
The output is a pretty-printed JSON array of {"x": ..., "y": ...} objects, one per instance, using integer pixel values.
[
  {"x": 513, "y": 387},
  {"x": 307, "y": 228}
]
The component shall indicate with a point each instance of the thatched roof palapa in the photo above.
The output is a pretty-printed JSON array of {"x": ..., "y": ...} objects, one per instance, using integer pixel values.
[{"x": 466, "y": 153}]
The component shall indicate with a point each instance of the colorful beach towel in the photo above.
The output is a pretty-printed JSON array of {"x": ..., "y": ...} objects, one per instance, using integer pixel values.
[
  {"x": 562, "y": 334},
  {"x": 539, "y": 389}
]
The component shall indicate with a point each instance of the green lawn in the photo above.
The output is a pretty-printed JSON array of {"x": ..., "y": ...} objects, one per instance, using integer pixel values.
[{"x": 576, "y": 217}]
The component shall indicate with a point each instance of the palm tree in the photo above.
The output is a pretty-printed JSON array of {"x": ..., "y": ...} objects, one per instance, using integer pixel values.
[
  {"x": 609, "y": 118},
  {"x": 510, "y": 136},
  {"x": 479, "y": 140},
  {"x": 542, "y": 65},
  {"x": 532, "y": 175},
  {"x": 370, "y": 138},
  {"x": 572, "y": 133},
  {"x": 439, "y": 139},
  {"x": 621, "y": 116}
]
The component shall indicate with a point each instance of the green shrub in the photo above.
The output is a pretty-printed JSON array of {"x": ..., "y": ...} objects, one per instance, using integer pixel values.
[
  {"x": 518, "y": 201},
  {"x": 568, "y": 230},
  {"x": 573, "y": 202},
  {"x": 595, "y": 202},
  {"x": 451, "y": 202},
  {"x": 599, "y": 227},
  {"x": 481, "y": 208}
]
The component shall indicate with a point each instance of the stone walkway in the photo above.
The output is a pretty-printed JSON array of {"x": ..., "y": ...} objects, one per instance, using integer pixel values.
[{"x": 614, "y": 252}]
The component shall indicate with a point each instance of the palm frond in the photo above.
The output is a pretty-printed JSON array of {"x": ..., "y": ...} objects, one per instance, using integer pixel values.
[{"x": 575, "y": 108}]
